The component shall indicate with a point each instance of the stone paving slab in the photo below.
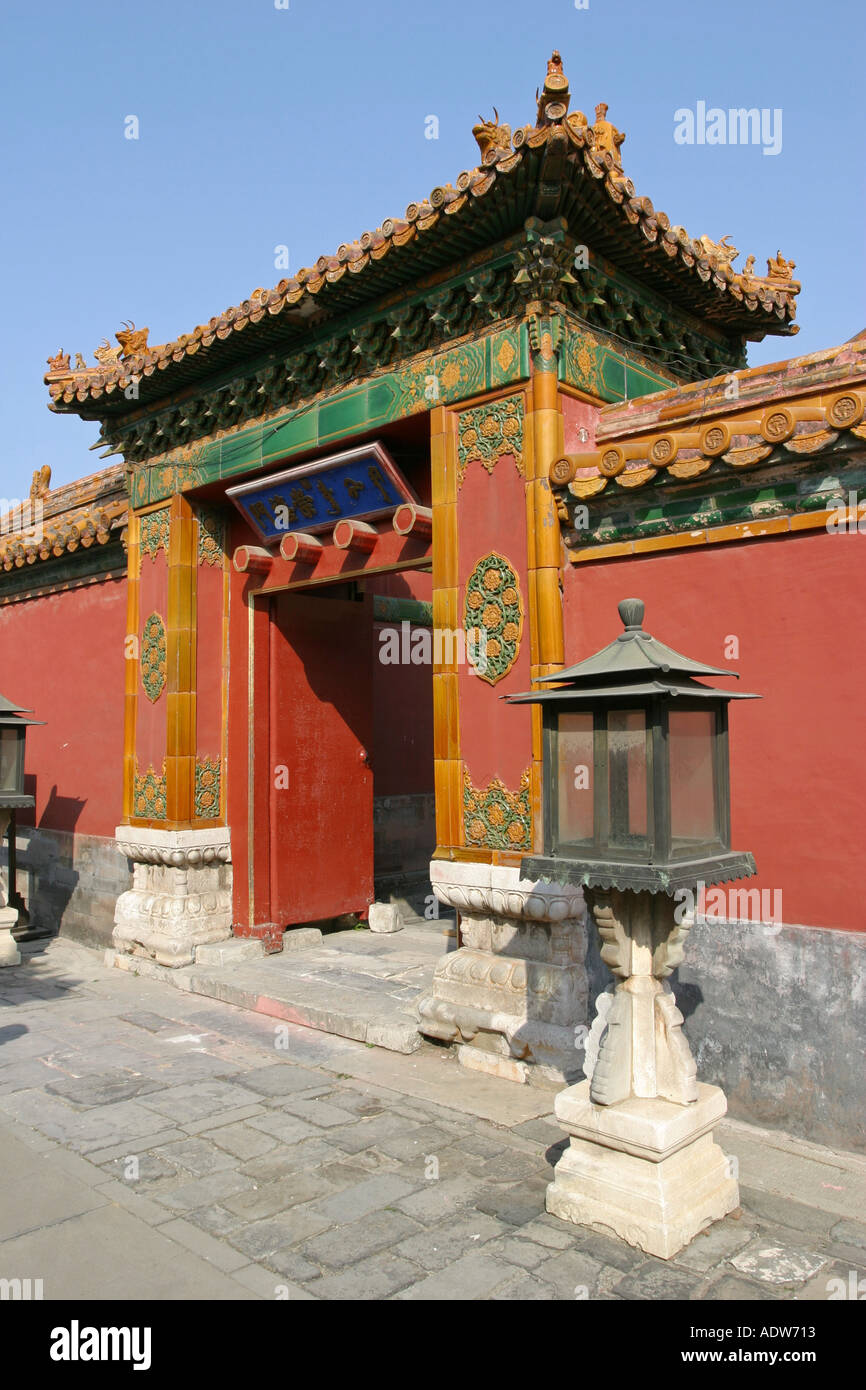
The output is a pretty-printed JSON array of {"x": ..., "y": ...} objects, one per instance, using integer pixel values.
[
  {"x": 317, "y": 1167},
  {"x": 774, "y": 1163},
  {"x": 36, "y": 1194},
  {"x": 107, "y": 1253}
]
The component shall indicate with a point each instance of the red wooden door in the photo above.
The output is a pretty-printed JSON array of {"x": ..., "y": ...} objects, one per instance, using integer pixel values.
[{"x": 321, "y": 821}]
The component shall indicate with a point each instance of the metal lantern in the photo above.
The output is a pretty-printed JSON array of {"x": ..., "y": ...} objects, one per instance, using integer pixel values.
[
  {"x": 636, "y": 772},
  {"x": 13, "y": 730}
]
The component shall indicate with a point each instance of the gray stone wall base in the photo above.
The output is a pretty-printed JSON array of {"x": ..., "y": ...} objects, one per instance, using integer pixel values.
[
  {"x": 404, "y": 833},
  {"x": 410, "y": 893},
  {"x": 404, "y": 837},
  {"x": 70, "y": 883},
  {"x": 776, "y": 1016}
]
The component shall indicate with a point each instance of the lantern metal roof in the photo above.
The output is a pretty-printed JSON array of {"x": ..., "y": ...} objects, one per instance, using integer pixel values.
[
  {"x": 634, "y": 663},
  {"x": 14, "y": 716},
  {"x": 10, "y": 713}
]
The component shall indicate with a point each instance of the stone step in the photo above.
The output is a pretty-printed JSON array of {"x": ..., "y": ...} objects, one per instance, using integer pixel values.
[
  {"x": 351, "y": 984},
  {"x": 230, "y": 952},
  {"x": 241, "y": 948}
]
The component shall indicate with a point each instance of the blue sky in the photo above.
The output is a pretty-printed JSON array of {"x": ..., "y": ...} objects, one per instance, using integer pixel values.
[{"x": 305, "y": 126}]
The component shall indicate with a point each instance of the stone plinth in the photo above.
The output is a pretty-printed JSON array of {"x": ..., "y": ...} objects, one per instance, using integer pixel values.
[
  {"x": 181, "y": 894},
  {"x": 641, "y": 1161},
  {"x": 514, "y": 994},
  {"x": 9, "y": 953},
  {"x": 645, "y": 1170}
]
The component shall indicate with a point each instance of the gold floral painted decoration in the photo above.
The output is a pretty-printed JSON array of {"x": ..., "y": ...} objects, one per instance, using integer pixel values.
[
  {"x": 493, "y": 618},
  {"x": 154, "y": 657},
  {"x": 207, "y": 788},
  {"x": 211, "y": 537},
  {"x": 149, "y": 797},
  {"x": 487, "y": 432},
  {"x": 153, "y": 532},
  {"x": 495, "y": 817}
]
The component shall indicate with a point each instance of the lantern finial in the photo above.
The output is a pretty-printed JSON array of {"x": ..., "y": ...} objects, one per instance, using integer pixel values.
[{"x": 631, "y": 610}]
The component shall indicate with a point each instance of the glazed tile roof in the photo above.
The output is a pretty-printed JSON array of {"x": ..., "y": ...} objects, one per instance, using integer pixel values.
[
  {"x": 563, "y": 166},
  {"x": 787, "y": 410},
  {"x": 50, "y": 524}
]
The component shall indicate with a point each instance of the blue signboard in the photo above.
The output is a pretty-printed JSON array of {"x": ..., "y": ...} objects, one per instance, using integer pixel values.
[{"x": 360, "y": 484}]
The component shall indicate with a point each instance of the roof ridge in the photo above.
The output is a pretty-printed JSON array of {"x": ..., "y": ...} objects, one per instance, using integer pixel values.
[{"x": 566, "y": 134}]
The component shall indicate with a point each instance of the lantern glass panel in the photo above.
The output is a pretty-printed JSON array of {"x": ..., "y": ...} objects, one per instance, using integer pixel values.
[
  {"x": 574, "y": 778},
  {"x": 691, "y": 748},
  {"x": 627, "y": 777},
  {"x": 11, "y": 748}
]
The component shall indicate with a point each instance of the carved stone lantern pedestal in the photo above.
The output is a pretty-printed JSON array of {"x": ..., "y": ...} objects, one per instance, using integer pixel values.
[
  {"x": 647, "y": 1170},
  {"x": 13, "y": 731},
  {"x": 9, "y": 953},
  {"x": 641, "y": 1162},
  {"x": 637, "y": 809}
]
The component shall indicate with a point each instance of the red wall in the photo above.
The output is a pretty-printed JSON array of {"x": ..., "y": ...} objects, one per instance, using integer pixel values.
[
  {"x": 417, "y": 584},
  {"x": 576, "y": 416},
  {"x": 151, "y": 718},
  {"x": 62, "y": 655},
  {"x": 495, "y": 738},
  {"x": 402, "y": 720},
  {"x": 798, "y": 755},
  {"x": 402, "y": 699},
  {"x": 210, "y": 586}
]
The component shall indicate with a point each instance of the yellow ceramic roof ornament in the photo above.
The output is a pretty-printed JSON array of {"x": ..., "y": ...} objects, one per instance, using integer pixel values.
[{"x": 607, "y": 139}]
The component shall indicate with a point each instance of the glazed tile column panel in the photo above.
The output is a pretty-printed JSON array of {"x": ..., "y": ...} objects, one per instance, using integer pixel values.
[
  {"x": 181, "y": 893},
  {"x": 150, "y": 714},
  {"x": 181, "y": 641},
  {"x": 447, "y": 768},
  {"x": 131, "y": 664},
  {"x": 493, "y": 589},
  {"x": 545, "y": 552},
  {"x": 211, "y": 667}
]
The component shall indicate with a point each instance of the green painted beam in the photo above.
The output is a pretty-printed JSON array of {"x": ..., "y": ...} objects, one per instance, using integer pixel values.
[
  {"x": 402, "y": 610},
  {"x": 486, "y": 364}
]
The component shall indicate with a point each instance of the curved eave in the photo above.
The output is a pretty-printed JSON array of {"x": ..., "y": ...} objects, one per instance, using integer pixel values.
[
  {"x": 76, "y": 517},
  {"x": 626, "y": 690},
  {"x": 552, "y": 172}
]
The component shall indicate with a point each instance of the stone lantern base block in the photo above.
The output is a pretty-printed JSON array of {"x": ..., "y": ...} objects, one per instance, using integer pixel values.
[
  {"x": 9, "y": 953},
  {"x": 647, "y": 1170}
]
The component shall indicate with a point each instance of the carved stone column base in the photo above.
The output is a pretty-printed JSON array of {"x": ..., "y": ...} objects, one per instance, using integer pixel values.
[
  {"x": 181, "y": 895},
  {"x": 9, "y": 953},
  {"x": 515, "y": 993},
  {"x": 646, "y": 1170}
]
